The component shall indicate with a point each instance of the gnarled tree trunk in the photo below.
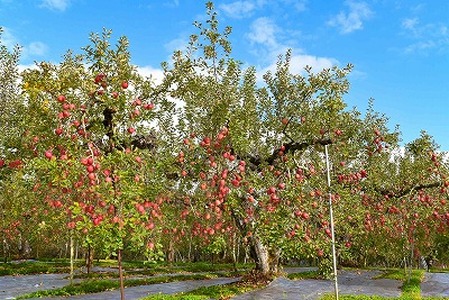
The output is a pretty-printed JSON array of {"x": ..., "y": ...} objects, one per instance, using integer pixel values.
[{"x": 267, "y": 261}]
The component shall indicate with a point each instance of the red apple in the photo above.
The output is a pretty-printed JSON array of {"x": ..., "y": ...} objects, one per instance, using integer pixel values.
[
  {"x": 48, "y": 154},
  {"x": 99, "y": 78},
  {"x": 61, "y": 98},
  {"x": 338, "y": 132},
  {"x": 59, "y": 131},
  {"x": 148, "y": 106},
  {"x": 131, "y": 130}
]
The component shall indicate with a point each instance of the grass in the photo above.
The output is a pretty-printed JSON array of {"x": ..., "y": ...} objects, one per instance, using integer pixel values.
[
  {"x": 101, "y": 285},
  {"x": 33, "y": 267},
  {"x": 130, "y": 267},
  {"x": 223, "y": 291},
  {"x": 304, "y": 275}
]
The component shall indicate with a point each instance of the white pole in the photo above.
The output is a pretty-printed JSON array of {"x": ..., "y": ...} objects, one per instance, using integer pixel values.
[{"x": 334, "y": 256}]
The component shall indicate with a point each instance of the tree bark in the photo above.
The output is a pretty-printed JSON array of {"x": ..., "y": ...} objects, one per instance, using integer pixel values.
[
  {"x": 171, "y": 252},
  {"x": 6, "y": 252},
  {"x": 120, "y": 271},
  {"x": 72, "y": 252},
  {"x": 267, "y": 262},
  {"x": 89, "y": 258}
]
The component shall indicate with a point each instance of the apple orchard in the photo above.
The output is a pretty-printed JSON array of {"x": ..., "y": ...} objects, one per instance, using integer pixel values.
[{"x": 208, "y": 164}]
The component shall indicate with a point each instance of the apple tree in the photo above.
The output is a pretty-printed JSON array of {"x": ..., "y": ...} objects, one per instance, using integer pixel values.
[
  {"x": 252, "y": 159},
  {"x": 95, "y": 156}
]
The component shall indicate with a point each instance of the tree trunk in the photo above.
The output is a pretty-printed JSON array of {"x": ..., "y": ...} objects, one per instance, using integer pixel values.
[
  {"x": 267, "y": 262},
  {"x": 6, "y": 252},
  {"x": 120, "y": 271},
  {"x": 89, "y": 258},
  {"x": 234, "y": 251},
  {"x": 77, "y": 248},
  {"x": 72, "y": 252},
  {"x": 171, "y": 252}
]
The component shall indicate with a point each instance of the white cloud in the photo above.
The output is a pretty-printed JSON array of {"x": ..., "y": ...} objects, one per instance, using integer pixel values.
[
  {"x": 8, "y": 39},
  {"x": 410, "y": 23},
  {"x": 157, "y": 75},
  {"x": 176, "y": 44},
  {"x": 298, "y": 5},
  {"x": 299, "y": 62},
  {"x": 425, "y": 37},
  {"x": 352, "y": 19},
  {"x": 263, "y": 31},
  {"x": 266, "y": 37},
  {"x": 22, "y": 67},
  {"x": 239, "y": 9},
  {"x": 246, "y": 8},
  {"x": 33, "y": 49},
  {"x": 60, "y": 5},
  {"x": 172, "y": 3}
]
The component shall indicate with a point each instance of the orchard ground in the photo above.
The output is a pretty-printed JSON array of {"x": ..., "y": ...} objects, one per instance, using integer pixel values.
[{"x": 354, "y": 282}]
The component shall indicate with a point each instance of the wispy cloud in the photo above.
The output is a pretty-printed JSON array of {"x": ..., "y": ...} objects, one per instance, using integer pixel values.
[
  {"x": 35, "y": 49},
  {"x": 263, "y": 31},
  {"x": 171, "y": 3},
  {"x": 266, "y": 37},
  {"x": 410, "y": 23},
  {"x": 157, "y": 75},
  {"x": 352, "y": 19},
  {"x": 239, "y": 9},
  {"x": 246, "y": 8},
  {"x": 60, "y": 5},
  {"x": 30, "y": 50},
  {"x": 425, "y": 37},
  {"x": 298, "y": 5},
  {"x": 299, "y": 61},
  {"x": 176, "y": 44},
  {"x": 8, "y": 39}
]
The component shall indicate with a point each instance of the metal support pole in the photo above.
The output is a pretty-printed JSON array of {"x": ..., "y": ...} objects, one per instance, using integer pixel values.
[{"x": 334, "y": 256}]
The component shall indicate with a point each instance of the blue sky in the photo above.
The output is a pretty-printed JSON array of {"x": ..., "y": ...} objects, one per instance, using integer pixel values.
[{"x": 400, "y": 48}]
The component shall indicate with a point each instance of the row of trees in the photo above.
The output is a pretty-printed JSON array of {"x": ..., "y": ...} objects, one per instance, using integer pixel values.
[{"x": 208, "y": 161}]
